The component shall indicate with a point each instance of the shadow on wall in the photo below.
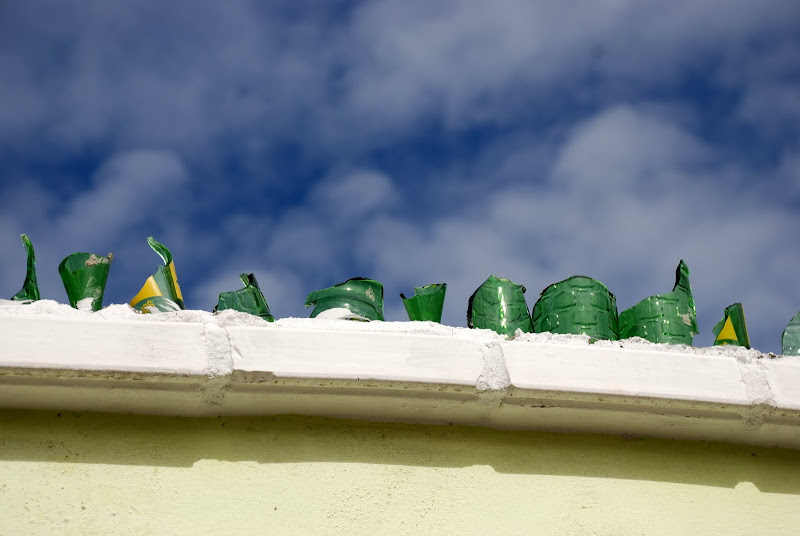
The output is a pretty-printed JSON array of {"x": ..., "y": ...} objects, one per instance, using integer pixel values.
[{"x": 45, "y": 436}]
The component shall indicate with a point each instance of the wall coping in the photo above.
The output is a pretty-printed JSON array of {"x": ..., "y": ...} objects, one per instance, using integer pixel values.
[{"x": 194, "y": 363}]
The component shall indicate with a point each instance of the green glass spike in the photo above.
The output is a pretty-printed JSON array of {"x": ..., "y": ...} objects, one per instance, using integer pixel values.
[
  {"x": 664, "y": 318},
  {"x": 84, "y": 276},
  {"x": 499, "y": 304},
  {"x": 160, "y": 249},
  {"x": 579, "y": 305},
  {"x": 790, "y": 340},
  {"x": 247, "y": 300},
  {"x": 426, "y": 303},
  {"x": 30, "y": 289},
  {"x": 362, "y": 297},
  {"x": 732, "y": 329},
  {"x": 161, "y": 292}
]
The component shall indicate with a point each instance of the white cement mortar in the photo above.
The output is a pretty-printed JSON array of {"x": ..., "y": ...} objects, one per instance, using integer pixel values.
[{"x": 221, "y": 354}]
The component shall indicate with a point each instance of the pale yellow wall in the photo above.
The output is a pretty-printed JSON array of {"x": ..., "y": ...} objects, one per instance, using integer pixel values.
[{"x": 81, "y": 473}]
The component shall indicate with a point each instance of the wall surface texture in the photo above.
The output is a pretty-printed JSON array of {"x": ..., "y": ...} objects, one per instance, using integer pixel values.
[{"x": 94, "y": 473}]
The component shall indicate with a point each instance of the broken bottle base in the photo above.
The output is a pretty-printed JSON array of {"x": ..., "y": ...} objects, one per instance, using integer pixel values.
[
  {"x": 663, "y": 318},
  {"x": 426, "y": 303},
  {"x": 85, "y": 276},
  {"x": 578, "y": 305},
  {"x": 247, "y": 300},
  {"x": 499, "y": 304},
  {"x": 362, "y": 297}
]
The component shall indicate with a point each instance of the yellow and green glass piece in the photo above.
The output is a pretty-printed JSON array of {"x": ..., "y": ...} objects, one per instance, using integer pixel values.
[
  {"x": 247, "y": 300},
  {"x": 732, "y": 329},
  {"x": 426, "y": 303},
  {"x": 499, "y": 304},
  {"x": 664, "y": 318},
  {"x": 358, "y": 298},
  {"x": 85, "y": 276},
  {"x": 578, "y": 305},
  {"x": 790, "y": 340},
  {"x": 30, "y": 288},
  {"x": 161, "y": 292}
]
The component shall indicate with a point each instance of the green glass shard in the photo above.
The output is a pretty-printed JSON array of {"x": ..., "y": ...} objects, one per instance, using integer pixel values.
[
  {"x": 664, "y": 318},
  {"x": 247, "y": 300},
  {"x": 361, "y": 296},
  {"x": 160, "y": 249},
  {"x": 426, "y": 303},
  {"x": 161, "y": 292},
  {"x": 499, "y": 304},
  {"x": 579, "y": 305},
  {"x": 30, "y": 289},
  {"x": 732, "y": 329},
  {"x": 84, "y": 276},
  {"x": 790, "y": 340}
]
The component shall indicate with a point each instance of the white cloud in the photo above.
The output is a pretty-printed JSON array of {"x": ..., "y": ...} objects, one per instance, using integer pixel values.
[
  {"x": 621, "y": 147},
  {"x": 317, "y": 242},
  {"x": 353, "y": 195},
  {"x": 130, "y": 188},
  {"x": 358, "y": 79},
  {"x": 774, "y": 107}
]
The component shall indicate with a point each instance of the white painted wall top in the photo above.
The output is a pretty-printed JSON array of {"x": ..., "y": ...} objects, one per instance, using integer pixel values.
[{"x": 196, "y": 363}]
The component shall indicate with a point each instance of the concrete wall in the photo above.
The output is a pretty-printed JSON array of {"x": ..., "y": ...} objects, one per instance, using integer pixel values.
[{"x": 93, "y": 473}]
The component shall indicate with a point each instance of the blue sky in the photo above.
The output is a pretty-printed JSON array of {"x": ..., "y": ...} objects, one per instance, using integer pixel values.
[{"x": 410, "y": 142}]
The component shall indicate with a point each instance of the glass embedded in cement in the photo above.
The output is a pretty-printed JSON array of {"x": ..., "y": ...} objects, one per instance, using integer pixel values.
[
  {"x": 247, "y": 300},
  {"x": 85, "y": 276},
  {"x": 732, "y": 329},
  {"x": 161, "y": 291},
  {"x": 664, "y": 318},
  {"x": 499, "y": 304},
  {"x": 578, "y": 305},
  {"x": 30, "y": 288},
  {"x": 361, "y": 296},
  {"x": 426, "y": 303},
  {"x": 790, "y": 340}
]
